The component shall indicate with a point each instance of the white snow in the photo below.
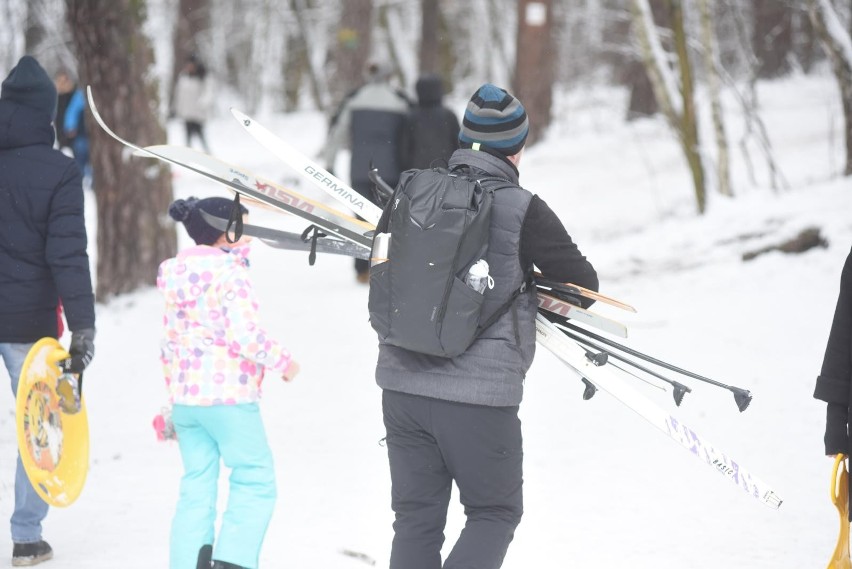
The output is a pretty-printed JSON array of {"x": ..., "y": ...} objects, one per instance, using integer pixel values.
[{"x": 602, "y": 487}]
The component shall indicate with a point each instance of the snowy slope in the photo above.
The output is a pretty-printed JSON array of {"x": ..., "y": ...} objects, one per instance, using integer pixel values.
[{"x": 602, "y": 487}]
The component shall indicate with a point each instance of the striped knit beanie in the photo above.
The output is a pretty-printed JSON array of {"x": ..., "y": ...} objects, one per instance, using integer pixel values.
[{"x": 495, "y": 119}]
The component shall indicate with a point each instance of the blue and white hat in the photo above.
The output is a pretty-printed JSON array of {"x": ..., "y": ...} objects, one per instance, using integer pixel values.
[{"x": 496, "y": 119}]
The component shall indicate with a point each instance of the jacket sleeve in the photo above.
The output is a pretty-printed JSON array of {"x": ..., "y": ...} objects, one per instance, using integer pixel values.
[
  {"x": 74, "y": 112},
  {"x": 65, "y": 251},
  {"x": 832, "y": 385},
  {"x": 245, "y": 335},
  {"x": 546, "y": 243}
]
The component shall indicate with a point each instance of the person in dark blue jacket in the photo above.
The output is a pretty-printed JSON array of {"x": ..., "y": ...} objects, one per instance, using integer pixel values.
[
  {"x": 369, "y": 122},
  {"x": 43, "y": 260},
  {"x": 431, "y": 132}
]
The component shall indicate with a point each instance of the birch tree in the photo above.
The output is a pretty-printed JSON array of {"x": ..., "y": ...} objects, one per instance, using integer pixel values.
[
  {"x": 674, "y": 93},
  {"x": 712, "y": 65},
  {"x": 835, "y": 39}
]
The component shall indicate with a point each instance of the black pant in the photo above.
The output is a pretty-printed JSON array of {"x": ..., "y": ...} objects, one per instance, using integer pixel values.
[
  {"x": 196, "y": 129},
  {"x": 430, "y": 444}
]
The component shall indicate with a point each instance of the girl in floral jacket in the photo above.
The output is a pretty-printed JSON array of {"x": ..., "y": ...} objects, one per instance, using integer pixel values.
[{"x": 215, "y": 355}]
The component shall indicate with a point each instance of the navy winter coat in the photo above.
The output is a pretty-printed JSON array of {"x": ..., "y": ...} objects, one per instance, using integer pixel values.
[
  {"x": 42, "y": 231},
  {"x": 431, "y": 132}
]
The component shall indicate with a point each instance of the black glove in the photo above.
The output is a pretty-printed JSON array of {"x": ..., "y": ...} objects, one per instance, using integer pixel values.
[{"x": 82, "y": 349}]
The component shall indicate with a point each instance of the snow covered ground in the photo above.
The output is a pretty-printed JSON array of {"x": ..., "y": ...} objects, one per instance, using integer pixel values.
[{"x": 603, "y": 488}]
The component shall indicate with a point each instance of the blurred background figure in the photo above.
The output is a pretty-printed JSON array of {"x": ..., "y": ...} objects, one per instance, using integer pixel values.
[
  {"x": 71, "y": 123},
  {"x": 370, "y": 122},
  {"x": 431, "y": 131},
  {"x": 192, "y": 100},
  {"x": 65, "y": 89}
]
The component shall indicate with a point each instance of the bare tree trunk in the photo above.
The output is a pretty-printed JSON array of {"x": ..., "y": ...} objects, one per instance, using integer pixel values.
[
  {"x": 305, "y": 45},
  {"x": 394, "y": 55},
  {"x": 534, "y": 65},
  {"x": 773, "y": 37},
  {"x": 711, "y": 63},
  {"x": 34, "y": 32},
  {"x": 673, "y": 93},
  {"x": 193, "y": 20},
  {"x": 837, "y": 43},
  {"x": 754, "y": 126},
  {"x": 447, "y": 56},
  {"x": 642, "y": 102},
  {"x": 353, "y": 47},
  {"x": 805, "y": 42},
  {"x": 428, "y": 52},
  {"x": 689, "y": 120},
  {"x": 132, "y": 194}
]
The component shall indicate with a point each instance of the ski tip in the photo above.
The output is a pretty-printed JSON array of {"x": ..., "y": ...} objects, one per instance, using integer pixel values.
[{"x": 241, "y": 116}]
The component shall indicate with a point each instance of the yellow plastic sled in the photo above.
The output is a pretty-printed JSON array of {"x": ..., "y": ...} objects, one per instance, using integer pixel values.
[
  {"x": 840, "y": 498},
  {"x": 54, "y": 445}
]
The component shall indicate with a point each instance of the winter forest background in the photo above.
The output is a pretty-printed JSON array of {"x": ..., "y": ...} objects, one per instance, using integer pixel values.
[
  {"x": 671, "y": 59},
  {"x": 699, "y": 152}
]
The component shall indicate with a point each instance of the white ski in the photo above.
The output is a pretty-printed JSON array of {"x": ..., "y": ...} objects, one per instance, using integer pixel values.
[
  {"x": 309, "y": 169},
  {"x": 606, "y": 379}
]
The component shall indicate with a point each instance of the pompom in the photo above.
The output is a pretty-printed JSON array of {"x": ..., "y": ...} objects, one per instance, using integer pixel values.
[{"x": 180, "y": 209}]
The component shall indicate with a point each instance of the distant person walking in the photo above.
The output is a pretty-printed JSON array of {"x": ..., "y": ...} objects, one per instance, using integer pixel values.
[
  {"x": 192, "y": 100},
  {"x": 65, "y": 88},
  {"x": 431, "y": 132},
  {"x": 369, "y": 122},
  {"x": 70, "y": 122},
  {"x": 43, "y": 260},
  {"x": 74, "y": 127},
  {"x": 215, "y": 356}
]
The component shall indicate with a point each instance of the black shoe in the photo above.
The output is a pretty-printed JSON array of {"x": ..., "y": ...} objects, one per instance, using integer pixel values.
[
  {"x": 26, "y": 554},
  {"x": 204, "y": 555},
  {"x": 226, "y": 565}
]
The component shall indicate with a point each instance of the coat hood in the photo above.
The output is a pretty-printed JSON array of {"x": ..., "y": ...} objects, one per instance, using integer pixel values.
[
  {"x": 23, "y": 126},
  {"x": 430, "y": 90}
]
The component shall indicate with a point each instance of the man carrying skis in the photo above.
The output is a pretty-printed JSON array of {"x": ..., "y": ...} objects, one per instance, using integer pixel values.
[
  {"x": 42, "y": 259},
  {"x": 456, "y": 419}
]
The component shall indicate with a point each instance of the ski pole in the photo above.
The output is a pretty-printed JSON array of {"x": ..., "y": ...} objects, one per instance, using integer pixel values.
[
  {"x": 678, "y": 389},
  {"x": 742, "y": 397}
]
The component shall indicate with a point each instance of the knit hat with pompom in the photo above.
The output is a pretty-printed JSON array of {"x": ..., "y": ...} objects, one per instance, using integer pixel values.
[{"x": 188, "y": 212}]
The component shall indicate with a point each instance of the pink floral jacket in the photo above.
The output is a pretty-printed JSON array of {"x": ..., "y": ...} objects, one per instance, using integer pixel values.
[{"x": 214, "y": 351}]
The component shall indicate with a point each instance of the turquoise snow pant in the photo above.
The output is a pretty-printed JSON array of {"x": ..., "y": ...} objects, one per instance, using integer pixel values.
[{"x": 235, "y": 434}]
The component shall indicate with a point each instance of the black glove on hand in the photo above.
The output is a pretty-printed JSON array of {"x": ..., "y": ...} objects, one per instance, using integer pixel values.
[{"x": 82, "y": 349}]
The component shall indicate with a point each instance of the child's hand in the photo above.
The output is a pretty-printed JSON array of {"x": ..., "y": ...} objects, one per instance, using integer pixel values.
[{"x": 291, "y": 372}]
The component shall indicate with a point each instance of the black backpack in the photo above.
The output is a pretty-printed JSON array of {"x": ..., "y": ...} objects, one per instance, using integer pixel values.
[{"x": 439, "y": 225}]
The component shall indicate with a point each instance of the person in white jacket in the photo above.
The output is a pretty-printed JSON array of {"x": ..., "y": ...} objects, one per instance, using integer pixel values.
[{"x": 192, "y": 100}]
